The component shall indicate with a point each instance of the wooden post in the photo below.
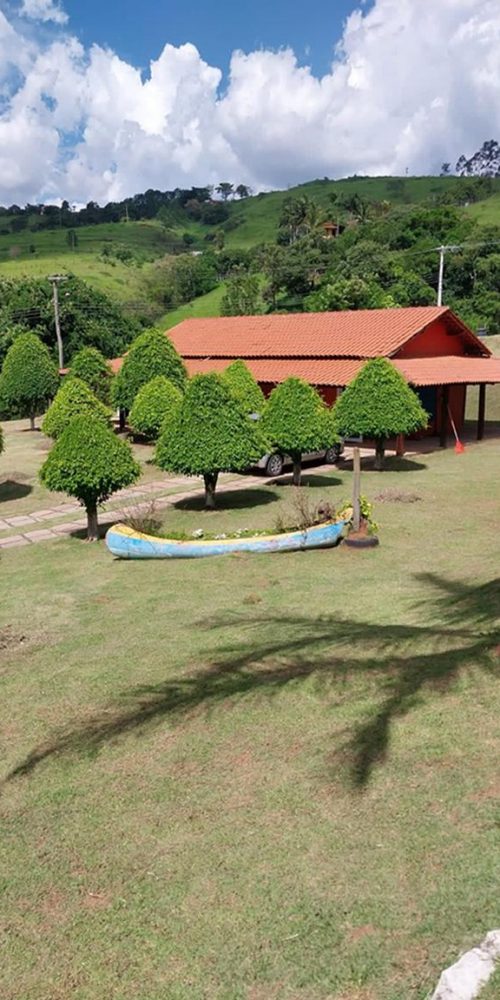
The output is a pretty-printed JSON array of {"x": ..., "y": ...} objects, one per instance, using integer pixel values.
[
  {"x": 356, "y": 489},
  {"x": 400, "y": 445},
  {"x": 443, "y": 436},
  {"x": 481, "y": 412}
]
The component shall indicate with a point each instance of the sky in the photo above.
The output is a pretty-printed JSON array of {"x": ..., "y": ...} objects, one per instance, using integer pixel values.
[{"x": 100, "y": 99}]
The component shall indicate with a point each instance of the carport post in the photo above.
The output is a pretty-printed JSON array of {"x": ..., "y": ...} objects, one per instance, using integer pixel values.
[{"x": 481, "y": 412}]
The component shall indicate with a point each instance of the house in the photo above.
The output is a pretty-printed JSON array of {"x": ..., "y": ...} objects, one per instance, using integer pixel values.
[
  {"x": 332, "y": 230},
  {"x": 431, "y": 347}
]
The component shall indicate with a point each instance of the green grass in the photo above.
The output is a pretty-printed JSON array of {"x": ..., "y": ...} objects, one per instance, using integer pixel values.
[
  {"x": 256, "y": 778},
  {"x": 204, "y": 305},
  {"x": 487, "y": 213}
]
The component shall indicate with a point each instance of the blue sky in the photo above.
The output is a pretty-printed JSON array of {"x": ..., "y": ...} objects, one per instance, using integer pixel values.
[{"x": 138, "y": 32}]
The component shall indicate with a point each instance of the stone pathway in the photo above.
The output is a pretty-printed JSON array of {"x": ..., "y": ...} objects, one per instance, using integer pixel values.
[{"x": 36, "y": 521}]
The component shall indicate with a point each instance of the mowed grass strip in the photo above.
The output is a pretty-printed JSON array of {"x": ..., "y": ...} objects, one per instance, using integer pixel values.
[{"x": 257, "y": 777}]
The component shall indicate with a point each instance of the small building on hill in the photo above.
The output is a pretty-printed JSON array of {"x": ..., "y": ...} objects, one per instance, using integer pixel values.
[{"x": 435, "y": 352}]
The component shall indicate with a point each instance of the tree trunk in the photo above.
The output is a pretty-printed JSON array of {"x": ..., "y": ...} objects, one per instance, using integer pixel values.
[
  {"x": 92, "y": 525},
  {"x": 379, "y": 454},
  {"x": 210, "y": 479},
  {"x": 297, "y": 470},
  {"x": 32, "y": 422},
  {"x": 356, "y": 489},
  {"x": 121, "y": 419}
]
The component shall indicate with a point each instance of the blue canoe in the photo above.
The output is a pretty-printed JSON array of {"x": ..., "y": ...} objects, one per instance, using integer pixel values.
[{"x": 126, "y": 543}]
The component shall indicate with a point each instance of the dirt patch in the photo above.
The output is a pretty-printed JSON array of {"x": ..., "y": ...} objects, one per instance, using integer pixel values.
[
  {"x": 9, "y": 638},
  {"x": 358, "y": 933},
  {"x": 397, "y": 496},
  {"x": 96, "y": 900},
  {"x": 490, "y": 793}
]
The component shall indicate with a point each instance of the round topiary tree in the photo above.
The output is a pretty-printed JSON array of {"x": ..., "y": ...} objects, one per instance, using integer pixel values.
[
  {"x": 73, "y": 399},
  {"x": 241, "y": 383},
  {"x": 379, "y": 404},
  {"x": 151, "y": 354},
  {"x": 29, "y": 378},
  {"x": 90, "y": 463},
  {"x": 209, "y": 434},
  {"x": 156, "y": 402},
  {"x": 296, "y": 420},
  {"x": 91, "y": 367}
]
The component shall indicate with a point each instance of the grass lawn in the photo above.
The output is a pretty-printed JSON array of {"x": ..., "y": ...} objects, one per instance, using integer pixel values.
[
  {"x": 204, "y": 305},
  {"x": 256, "y": 778}
]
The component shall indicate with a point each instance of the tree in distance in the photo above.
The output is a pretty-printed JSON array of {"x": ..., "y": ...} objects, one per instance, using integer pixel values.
[
  {"x": 379, "y": 404},
  {"x": 238, "y": 378},
  {"x": 91, "y": 367},
  {"x": 74, "y": 399},
  {"x": 90, "y": 463},
  {"x": 209, "y": 434},
  {"x": 29, "y": 378},
  {"x": 151, "y": 354},
  {"x": 155, "y": 403},
  {"x": 296, "y": 420}
]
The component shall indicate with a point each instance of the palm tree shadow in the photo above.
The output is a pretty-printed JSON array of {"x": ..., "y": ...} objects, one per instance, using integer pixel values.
[{"x": 403, "y": 661}]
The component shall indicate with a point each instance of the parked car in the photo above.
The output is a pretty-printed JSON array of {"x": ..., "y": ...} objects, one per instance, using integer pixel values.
[{"x": 273, "y": 464}]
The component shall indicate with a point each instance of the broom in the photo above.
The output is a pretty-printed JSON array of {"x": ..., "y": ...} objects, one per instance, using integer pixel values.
[{"x": 459, "y": 447}]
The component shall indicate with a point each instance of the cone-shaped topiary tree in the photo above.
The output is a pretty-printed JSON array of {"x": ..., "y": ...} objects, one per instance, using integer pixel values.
[
  {"x": 151, "y": 354},
  {"x": 29, "y": 378},
  {"x": 209, "y": 434},
  {"x": 241, "y": 383},
  {"x": 92, "y": 368},
  {"x": 296, "y": 420},
  {"x": 379, "y": 404},
  {"x": 90, "y": 463},
  {"x": 155, "y": 403},
  {"x": 73, "y": 399}
]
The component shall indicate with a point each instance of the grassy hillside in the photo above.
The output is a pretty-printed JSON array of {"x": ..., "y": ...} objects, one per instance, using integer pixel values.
[
  {"x": 204, "y": 305},
  {"x": 118, "y": 280}
]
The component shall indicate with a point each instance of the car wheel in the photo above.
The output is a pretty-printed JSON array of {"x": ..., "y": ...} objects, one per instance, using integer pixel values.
[
  {"x": 274, "y": 465},
  {"x": 332, "y": 455}
]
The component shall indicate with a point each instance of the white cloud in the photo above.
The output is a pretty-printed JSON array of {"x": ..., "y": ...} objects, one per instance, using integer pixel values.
[
  {"x": 44, "y": 10},
  {"x": 413, "y": 83}
]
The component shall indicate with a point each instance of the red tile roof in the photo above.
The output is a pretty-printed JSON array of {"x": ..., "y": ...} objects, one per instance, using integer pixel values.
[
  {"x": 450, "y": 370},
  {"x": 366, "y": 333}
]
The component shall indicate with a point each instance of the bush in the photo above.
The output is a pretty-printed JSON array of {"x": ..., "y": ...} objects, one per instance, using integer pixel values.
[
  {"x": 73, "y": 399},
  {"x": 296, "y": 420},
  {"x": 241, "y": 383},
  {"x": 154, "y": 403},
  {"x": 151, "y": 354},
  {"x": 91, "y": 367},
  {"x": 379, "y": 404},
  {"x": 29, "y": 378},
  {"x": 90, "y": 463},
  {"x": 209, "y": 434}
]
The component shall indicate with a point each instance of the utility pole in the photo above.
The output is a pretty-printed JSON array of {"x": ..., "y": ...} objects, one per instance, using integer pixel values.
[
  {"x": 55, "y": 280},
  {"x": 442, "y": 251}
]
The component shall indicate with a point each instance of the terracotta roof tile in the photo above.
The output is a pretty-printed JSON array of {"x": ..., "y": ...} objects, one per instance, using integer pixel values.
[
  {"x": 450, "y": 370},
  {"x": 366, "y": 333}
]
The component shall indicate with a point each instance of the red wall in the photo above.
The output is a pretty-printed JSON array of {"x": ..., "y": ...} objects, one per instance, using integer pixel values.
[{"x": 433, "y": 342}]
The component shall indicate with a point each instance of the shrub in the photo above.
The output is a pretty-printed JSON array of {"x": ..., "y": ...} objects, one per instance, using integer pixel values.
[
  {"x": 209, "y": 434},
  {"x": 241, "y": 383},
  {"x": 73, "y": 399},
  {"x": 90, "y": 463},
  {"x": 91, "y": 367},
  {"x": 157, "y": 401},
  {"x": 379, "y": 404},
  {"x": 29, "y": 378},
  {"x": 296, "y": 420},
  {"x": 151, "y": 354}
]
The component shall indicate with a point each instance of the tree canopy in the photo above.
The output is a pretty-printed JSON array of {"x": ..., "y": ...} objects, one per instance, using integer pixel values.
[
  {"x": 151, "y": 354},
  {"x": 155, "y": 402},
  {"x": 209, "y": 434},
  {"x": 90, "y": 463},
  {"x": 73, "y": 399},
  {"x": 379, "y": 404},
  {"x": 296, "y": 420},
  {"x": 91, "y": 367},
  {"x": 29, "y": 378},
  {"x": 239, "y": 380}
]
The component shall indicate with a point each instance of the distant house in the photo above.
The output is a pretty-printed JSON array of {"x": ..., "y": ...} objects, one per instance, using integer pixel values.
[{"x": 333, "y": 229}]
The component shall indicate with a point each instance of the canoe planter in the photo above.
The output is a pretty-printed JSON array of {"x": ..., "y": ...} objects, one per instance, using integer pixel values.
[{"x": 126, "y": 543}]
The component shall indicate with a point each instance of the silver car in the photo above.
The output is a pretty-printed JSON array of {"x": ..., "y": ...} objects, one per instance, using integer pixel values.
[{"x": 273, "y": 464}]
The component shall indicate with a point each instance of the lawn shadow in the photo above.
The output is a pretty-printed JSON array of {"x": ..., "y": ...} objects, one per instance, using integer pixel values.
[
  {"x": 229, "y": 500},
  {"x": 391, "y": 464},
  {"x": 404, "y": 662},
  {"x": 10, "y": 489},
  {"x": 312, "y": 480}
]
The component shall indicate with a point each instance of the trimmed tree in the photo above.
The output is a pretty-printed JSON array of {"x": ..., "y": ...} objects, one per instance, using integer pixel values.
[
  {"x": 74, "y": 399},
  {"x": 29, "y": 378},
  {"x": 209, "y": 434},
  {"x": 156, "y": 402},
  {"x": 241, "y": 383},
  {"x": 91, "y": 367},
  {"x": 296, "y": 420},
  {"x": 90, "y": 463},
  {"x": 379, "y": 404},
  {"x": 151, "y": 354}
]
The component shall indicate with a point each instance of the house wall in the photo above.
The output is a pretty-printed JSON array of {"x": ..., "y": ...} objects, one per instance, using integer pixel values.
[{"x": 433, "y": 342}]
